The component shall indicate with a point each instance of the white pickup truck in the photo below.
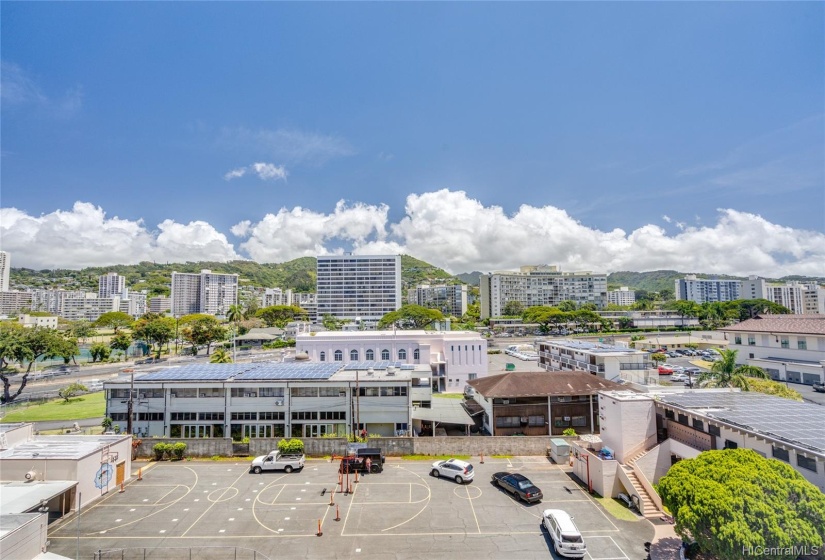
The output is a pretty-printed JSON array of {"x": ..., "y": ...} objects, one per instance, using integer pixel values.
[{"x": 277, "y": 461}]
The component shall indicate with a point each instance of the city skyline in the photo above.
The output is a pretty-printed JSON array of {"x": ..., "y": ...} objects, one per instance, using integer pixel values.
[{"x": 482, "y": 137}]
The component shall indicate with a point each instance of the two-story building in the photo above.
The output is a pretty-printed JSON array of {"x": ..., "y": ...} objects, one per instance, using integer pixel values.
[
  {"x": 789, "y": 348},
  {"x": 605, "y": 360}
]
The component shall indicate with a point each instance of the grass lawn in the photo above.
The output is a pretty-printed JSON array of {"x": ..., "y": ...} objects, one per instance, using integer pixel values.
[
  {"x": 448, "y": 395},
  {"x": 85, "y": 406},
  {"x": 616, "y": 508}
]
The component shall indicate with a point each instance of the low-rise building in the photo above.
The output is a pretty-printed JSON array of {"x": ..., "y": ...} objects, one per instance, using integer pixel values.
[
  {"x": 604, "y": 360},
  {"x": 789, "y": 348},
  {"x": 31, "y": 321}
]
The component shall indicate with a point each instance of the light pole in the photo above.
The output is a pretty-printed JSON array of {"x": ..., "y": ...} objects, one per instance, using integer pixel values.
[{"x": 177, "y": 319}]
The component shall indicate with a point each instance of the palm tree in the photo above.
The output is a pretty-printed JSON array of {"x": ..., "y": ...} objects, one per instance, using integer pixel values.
[
  {"x": 220, "y": 356},
  {"x": 234, "y": 315},
  {"x": 725, "y": 373}
]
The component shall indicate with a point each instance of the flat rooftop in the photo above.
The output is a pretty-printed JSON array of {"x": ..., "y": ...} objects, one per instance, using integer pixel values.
[
  {"x": 592, "y": 347},
  {"x": 60, "y": 447},
  {"x": 9, "y": 427},
  {"x": 798, "y": 423},
  {"x": 19, "y": 497}
]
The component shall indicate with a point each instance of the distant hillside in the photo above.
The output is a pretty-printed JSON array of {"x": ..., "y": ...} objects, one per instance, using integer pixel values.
[
  {"x": 471, "y": 278},
  {"x": 298, "y": 275},
  {"x": 654, "y": 281}
]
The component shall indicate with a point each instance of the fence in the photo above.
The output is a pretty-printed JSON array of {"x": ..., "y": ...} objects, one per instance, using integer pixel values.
[{"x": 181, "y": 553}]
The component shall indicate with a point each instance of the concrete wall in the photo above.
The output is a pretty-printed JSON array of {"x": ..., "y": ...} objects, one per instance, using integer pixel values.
[
  {"x": 441, "y": 445},
  {"x": 17, "y": 435},
  {"x": 28, "y": 539}
]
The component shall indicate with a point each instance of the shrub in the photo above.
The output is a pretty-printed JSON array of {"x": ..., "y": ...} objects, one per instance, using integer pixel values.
[
  {"x": 160, "y": 450},
  {"x": 569, "y": 432},
  {"x": 107, "y": 423},
  {"x": 178, "y": 450},
  {"x": 291, "y": 446}
]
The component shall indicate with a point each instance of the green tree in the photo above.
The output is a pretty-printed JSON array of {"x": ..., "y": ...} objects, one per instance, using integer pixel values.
[
  {"x": 625, "y": 323},
  {"x": 220, "y": 356},
  {"x": 155, "y": 329},
  {"x": 586, "y": 319},
  {"x": 731, "y": 499},
  {"x": 203, "y": 330},
  {"x": 658, "y": 358},
  {"x": 106, "y": 424},
  {"x": 67, "y": 393},
  {"x": 750, "y": 308},
  {"x": 545, "y": 317},
  {"x": 513, "y": 308},
  {"x": 120, "y": 341},
  {"x": 567, "y": 306},
  {"x": 280, "y": 315},
  {"x": 726, "y": 373},
  {"x": 410, "y": 316},
  {"x": 82, "y": 330},
  {"x": 114, "y": 320},
  {"x": 99, "y": 351},
  {"x": 331, "y": 323},
  {"x": 18, "y": 344}
]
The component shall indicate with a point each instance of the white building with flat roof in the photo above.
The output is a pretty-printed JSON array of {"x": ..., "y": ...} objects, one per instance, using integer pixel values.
[
  {"x": 622, "y": 296},
  {"x": 450, "y": 299},
  {"x": 205, "y": 292},
  {"x": 14, "y": 301},
  {"x": 611, "y": 362},
  {"x": 358, "y": 287},
  {"x": 540, "y": 285},
  {"x": 454, "y": 357},
  {"x": 5, "y": 270},
  {"x": 110, "y": 284},
  {"x": 707, "y": 290}
]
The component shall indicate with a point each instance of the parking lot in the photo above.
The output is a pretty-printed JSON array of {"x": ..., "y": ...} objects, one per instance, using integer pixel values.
[{"x": 402, "y": 512}]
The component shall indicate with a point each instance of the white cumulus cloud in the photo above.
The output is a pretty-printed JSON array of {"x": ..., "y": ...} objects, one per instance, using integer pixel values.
[
  {"x": 264, "y": 171},
  {"x": 84, "y": 236}
]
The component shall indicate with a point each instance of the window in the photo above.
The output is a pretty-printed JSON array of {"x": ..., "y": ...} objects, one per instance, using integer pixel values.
[
  {"x": 322, "y": 357},
  {"x": 338, "y": 356},
  {"x": 786, "y": 343},
  {"x": 393, "y": 391},
  {"x": 150, "y": 393},
  {"x": 183, "y": 416},
  {"x": 353, "y": 355},
  {"x": 781, "y": 454},
  {"x": 211, "y": 392},
  {"x": 188, "y": 393},
  {"x": 119, "y": 417},
  {"x": 471, "y": 376},
  {"x": 714, "y": 430},
  {"x": 508, "y": 422},
  {"x": 304, "y": 391},
  {"x": 535, "y": 420},
  {"x": 580, "y": 421},
  {"x": 385, "y": 354},
  {"x": 210, "y": 416},
  {"x": 151, "y": 416},
  {"x": 416, "y": 354},
  {"x": 119, "y": 393},
  {"x": 683, "y": 419},
  {"x": 806, "y": 463},
  {"x": 561, "y": 421},
  {"x": 244, "y": 416},
  {"x": 699, "y": 425},
  {"x": 751, "y": 340},
  {"x": 400, "y": 426},
  {"x": 370, "y": 356},
  {"x": 368, "y": 391},
  {"x": 271, "y": 392},
  {"x": 737, "y": 339},
  {"x": 402, "y": 354},
  {"x": 801, "y": 344},
  {"x": 332, "y": 415},
  {"x": 305, "y": 416},
  {"x": 270, "y": 415},
  {"x": 669, "y": 414},
  {"x": 731, "y": 444},
  {"x": 243, "y": 392},
  {"x": 331, "y": 391}
]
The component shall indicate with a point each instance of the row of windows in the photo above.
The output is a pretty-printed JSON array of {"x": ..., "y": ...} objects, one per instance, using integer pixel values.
[
  {"x": 382, "y": 391},
  {"x": 317, "y": 391},
  {"x": 257, "y": 392},
  {"x": 801, "y": 343},
  {"x": 269, "y": 415},
  {"x": 519, "y": 421},
  {"x": 369, "y": 355}
]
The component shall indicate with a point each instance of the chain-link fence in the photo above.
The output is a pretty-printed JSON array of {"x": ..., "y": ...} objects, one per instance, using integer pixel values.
[{"x": 181, "y": 553}]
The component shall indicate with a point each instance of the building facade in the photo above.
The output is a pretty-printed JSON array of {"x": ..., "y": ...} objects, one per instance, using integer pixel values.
[
  {"x": 29, "y": 321},
  {"x": 5, "y": 270},
  {"x": 13, "y": 301},
  {"x": 540, "y": 285},
  {"x": 704, "y": 290},
  {"x": 454, "y": 357},
  {"x": 160, "y": 304},
  {"x": 110, "y": 284},
  {"x": 613, "y": 363},
  {"x": 622, "y": 296},
  {"x": 358, "y": 288},
  {"x": 205, "y": 292},
  {"x": 451, "y": 300},
  {"x": 271, "y": 400},
  {"x": 799, "y": 297}
]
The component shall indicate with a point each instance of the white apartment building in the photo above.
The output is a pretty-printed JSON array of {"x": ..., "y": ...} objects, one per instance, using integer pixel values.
[
  {"x": 110, "y": 284},
  {"x": 306, "y": 301},
  {"x": 798, "y": 297},
  {"x": 5, "y": 270},
  {"x": 358, "y": 287},
  {"x": 133, "y": 303},
  {"x": 789, "y": 348},
  {"x": 451, "y": 300},
  {"x": 622, "y": 296},
  {"x": 540, "y": 285},
  {"x": 272, "y": 400},
  {"x": 29, "y": 321},
  {"x": 205, "y": 292},
  {"x": 610, "y": 362},
  {"x": 160, "y": 304},
  {"x": 454, "y": 357},
  {"x": 13, "y": 302},
  {"x": 707, "y": 290},
  {"x": 88, "y": 308},
  {"x": 51, "y": 301}
]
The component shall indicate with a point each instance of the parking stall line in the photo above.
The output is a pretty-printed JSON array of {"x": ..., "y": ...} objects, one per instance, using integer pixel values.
[{"x": 213, "y": 503}]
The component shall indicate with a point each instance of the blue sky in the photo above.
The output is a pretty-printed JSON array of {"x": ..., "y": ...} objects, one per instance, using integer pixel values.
[{"x": 473, "y": 135}]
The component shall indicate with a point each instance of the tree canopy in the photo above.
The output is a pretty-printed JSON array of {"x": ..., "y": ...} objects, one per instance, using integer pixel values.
[
  {"x": 27, "y": 345},
  {"x": 155, "y": 329},
  {"x": 726, "y": 373},
  {"x": 203, "y": 330},
  {"x": 279, "y": 315},
  {"x": 729, "y": 499},
  {"x": 114, "y": 320},
  {"x": 410, "y": 316}
]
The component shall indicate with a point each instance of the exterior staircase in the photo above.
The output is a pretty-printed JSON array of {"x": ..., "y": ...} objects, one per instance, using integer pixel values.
[{"x": 647, "y": 508}]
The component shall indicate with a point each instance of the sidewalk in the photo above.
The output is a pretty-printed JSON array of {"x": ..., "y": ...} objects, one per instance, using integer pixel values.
[{"x": 666, "y": 543}]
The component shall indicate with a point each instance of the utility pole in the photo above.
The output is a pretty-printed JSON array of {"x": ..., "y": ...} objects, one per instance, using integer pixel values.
[{"x": 357, "y": 406}]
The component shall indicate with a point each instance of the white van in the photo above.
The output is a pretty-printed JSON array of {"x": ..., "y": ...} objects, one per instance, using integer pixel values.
[{"x": 566, "y": 537}]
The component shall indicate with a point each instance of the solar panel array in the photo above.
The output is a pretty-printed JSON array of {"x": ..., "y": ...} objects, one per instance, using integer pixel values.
[
  {"x": 383, "y": 364},
  {"x": 794, "y": 422},
  {"x": 289, "y": 370},
  {"x": 197, "y": 372}
]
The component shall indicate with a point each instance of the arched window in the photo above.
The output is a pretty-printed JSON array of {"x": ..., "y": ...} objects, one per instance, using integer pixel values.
[
  {"x": 339, "y": 356},
  {"x": 402, "y": 354},
  {"x": 353, "y": 355},
  {"x": 323, "y": 357},
  {"x": 416, "y": 354},
  {"x": 370, "y": 355},
  {"x": 385, "y": 354}
]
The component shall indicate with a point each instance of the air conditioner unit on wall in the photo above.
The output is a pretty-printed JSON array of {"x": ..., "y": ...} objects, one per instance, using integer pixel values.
[
  {"x": 279, "y": 403},
  {"x": 505, "y": 401}
]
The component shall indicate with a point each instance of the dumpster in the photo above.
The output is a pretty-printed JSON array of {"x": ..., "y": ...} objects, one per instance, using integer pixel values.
[
  {"x": 510, "y": 367},
  {"x": 559, "y": 450}
]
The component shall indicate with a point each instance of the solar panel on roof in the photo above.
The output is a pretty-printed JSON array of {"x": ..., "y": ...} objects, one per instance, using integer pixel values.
[
  {"x": 381, "y": 364},
  {"x": 196, "y": 372},
  {"x": 290, "y": 371}
]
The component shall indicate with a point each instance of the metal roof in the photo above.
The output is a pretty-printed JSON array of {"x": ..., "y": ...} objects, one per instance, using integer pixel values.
[
  {"x": 592, "y": 347},
  {"x": 444, "y": 411},
  {"x": 20, "y": 496},
  {"x": 797, "y": 423},
  {"x": 290, "y": 370},
  {"x": 60, "y": 447}
]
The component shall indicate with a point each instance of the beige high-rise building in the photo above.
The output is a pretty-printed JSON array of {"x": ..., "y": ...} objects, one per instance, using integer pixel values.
[
  {"x": 5, "y": 268},
  {"x": 110, "y": 284},
  {"x": 206, "y": 292}
]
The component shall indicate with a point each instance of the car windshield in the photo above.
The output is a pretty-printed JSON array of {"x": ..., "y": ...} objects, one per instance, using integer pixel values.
[
  {"x": 571, "y": 538},
  {"x": 524, "y": 484}
]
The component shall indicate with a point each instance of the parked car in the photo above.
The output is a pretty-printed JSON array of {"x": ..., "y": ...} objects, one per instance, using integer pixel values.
[
  {"x": 458, "y": 470},
  {"x": 693, "y": 370},
  {"x": 277, "y": 461},
  {"x": 567, "y": 540},
  {"x": 518, "y": 485},
  {"x": 665, "y": 369},
  {"x": 672, "y": 354},
  {"x": 678, "y": 376},
  {"x": 819, "y": 387}
]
